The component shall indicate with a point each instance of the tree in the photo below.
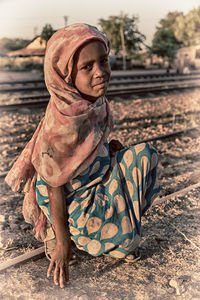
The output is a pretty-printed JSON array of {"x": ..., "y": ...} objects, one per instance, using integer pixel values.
[
  {"x": 165, "y": 43},
  {"x": 123, "y": 33},
  {"x": 47, "y": 32},
  {"x": 187, "y": 28}
]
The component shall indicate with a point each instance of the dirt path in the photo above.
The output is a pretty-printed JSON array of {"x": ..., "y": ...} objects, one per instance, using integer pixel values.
[{"x": 170, "y": 263}]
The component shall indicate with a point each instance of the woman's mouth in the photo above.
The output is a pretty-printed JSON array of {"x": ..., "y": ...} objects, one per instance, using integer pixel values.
[{"x": 101, "y": 84}]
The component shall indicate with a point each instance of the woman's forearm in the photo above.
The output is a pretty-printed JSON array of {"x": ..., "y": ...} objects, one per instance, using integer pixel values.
[{"x": 59, "y": 213}]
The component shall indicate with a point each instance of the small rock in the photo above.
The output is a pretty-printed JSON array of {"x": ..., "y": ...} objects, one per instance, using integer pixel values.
[
  {"x": 6, "y": 239},
  {"x": 83, "y": 297},
  {"x": 170, "y": 290},
  {"x": 174, "y": 283},
  {"x": 2, "y": 218},
  {"x": 14, "y": 226},
  {"x": 25, "y": 226}
]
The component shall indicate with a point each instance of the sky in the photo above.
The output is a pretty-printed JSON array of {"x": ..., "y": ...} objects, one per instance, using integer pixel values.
[{"x": 26, "y": 18}]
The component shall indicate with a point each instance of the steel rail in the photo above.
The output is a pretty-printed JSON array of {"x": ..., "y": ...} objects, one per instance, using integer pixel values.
[
  {"x": 120, "y": 81},
  {"x": 141, "y": 91},
  {"x": 165, "y": 136},
  {"x": 113, "y": 77}
]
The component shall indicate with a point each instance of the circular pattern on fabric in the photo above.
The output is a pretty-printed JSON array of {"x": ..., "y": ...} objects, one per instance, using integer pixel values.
[
  {"x": 45, "y": 211},
  {"x": 113, "y": 186},
  {"x": 138, "y": 148},
  {"x": 126, "y": 225},
  {"x": 85, "y": 202},
  {"x": 109, "y": 246},
  {"x": 136, "y": 208},
  {"x": 126, "y": 243},
  {"x": 109, "y": 212},
  {"x": 71, "y": 221},
  {"x": 76, "y": 184},
  {"x": 93, "y": 247},
  {"x": 108, "y": 231},
  {"x": 145, "y": 165},
  {"x": 120, "y": 203},
  {"x": 82, "y": 194},
  {"x": 128, "y": 158},
  {"x": 117, "y": 254},
  {"x": 73, "y": 206},
  {"x": 43, "y": 190},
  {"x": 83, "y": 240},
  {"x": 130, "y": 188},
  {"x": 82, "y": 219},
  {"x": 93, "y": 224},
  {"x": 137, "y": 176},
  {"x": 74, "y": 231},
  {"x": 93, "y": 208},
  {"x": 122, "y": 169}
]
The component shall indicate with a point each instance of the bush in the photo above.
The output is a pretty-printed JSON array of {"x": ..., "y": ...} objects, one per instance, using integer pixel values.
[
  {"x": 30, "y": 65},
  {"x": 15, "y": 64}
]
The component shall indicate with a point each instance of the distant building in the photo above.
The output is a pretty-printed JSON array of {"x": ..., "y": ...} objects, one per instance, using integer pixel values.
[
  {"x": 35, "y": 48},
  {"x": 187, "y": 58}
]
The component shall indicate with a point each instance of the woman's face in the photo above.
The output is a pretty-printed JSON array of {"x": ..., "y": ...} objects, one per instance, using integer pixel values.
[{"x": 91, "y": 70}]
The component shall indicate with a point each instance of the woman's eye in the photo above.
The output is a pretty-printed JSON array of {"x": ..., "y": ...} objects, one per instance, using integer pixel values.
[
  {"x": 87, "y": 67},
  {"x": 104, "y": 61}
]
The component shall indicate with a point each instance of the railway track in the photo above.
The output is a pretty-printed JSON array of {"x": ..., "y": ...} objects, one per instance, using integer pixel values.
[
  {"x": 42, "y": 100},
  {"x": 116, "y": 80}
]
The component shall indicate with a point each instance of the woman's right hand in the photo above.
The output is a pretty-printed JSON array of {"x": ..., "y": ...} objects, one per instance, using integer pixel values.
[
  {"x": 62, "y": 253},
  {"x": 60, "y": 262}
]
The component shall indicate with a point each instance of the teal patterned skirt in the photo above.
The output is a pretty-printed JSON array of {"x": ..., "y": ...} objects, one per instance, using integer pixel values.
[{"x": 106, "y": 202}]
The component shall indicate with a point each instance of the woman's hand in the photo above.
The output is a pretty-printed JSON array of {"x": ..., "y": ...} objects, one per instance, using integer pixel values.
[
  {"x": 60, "y": 262},
  {"x": 115, "y": 146},
  {"x": 62, "y": 253}
]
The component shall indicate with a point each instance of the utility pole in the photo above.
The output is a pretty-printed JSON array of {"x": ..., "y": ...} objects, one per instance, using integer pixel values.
[
  {"x": 35, "y": 31},
  {"x": 123, "y": 42},
  {"x": 65, "y": 20}
]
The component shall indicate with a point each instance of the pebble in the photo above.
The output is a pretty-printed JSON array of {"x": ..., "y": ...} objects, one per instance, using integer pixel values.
[
  {"x": 6, "y": 238},
  {"x": 24, "y": 226},
  {"x": 83, "y": 297},
  {"x": 177, "y": 284},
  {"x": 14, "y": 226},
  {"x": 173, "y": 283},
  {"x": 2, "y": 218}
]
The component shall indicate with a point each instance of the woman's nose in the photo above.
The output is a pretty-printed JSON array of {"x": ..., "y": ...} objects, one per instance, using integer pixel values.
[{"x": 99, "y": 70}]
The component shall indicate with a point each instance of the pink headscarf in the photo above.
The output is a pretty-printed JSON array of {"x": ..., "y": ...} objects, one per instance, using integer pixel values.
[{"x": 73, "y": 129}]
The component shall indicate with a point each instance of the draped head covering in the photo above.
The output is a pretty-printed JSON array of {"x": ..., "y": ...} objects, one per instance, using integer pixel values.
[{"x": 73, "y": 129}]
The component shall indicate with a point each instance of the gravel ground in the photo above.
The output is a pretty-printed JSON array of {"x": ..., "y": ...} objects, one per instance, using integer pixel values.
[{"x": 169, "y": 266}]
